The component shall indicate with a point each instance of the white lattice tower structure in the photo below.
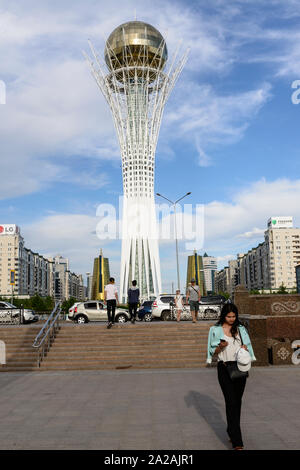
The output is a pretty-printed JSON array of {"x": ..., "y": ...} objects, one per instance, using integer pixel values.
[{"x": 136, "y": 84}]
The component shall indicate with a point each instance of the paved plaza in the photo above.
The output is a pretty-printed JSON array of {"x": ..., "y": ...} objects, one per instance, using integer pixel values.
[{"x": 145, "y": 409}]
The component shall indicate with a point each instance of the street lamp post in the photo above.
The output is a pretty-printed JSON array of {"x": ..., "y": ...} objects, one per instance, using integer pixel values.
[{"x": 175, "y": 229}]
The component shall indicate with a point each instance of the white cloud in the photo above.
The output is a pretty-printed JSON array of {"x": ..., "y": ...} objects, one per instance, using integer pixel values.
[
  {"x": 224, "y": 259},
  {"x": 255, "y": 233},
  {"x": 201, "y": 115},
  {"x": 73, "y": 235},
  {"x": 54, "y": 106}
]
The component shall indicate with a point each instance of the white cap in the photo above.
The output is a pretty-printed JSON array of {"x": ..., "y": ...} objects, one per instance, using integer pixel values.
[{"x": 243, "y": 360}]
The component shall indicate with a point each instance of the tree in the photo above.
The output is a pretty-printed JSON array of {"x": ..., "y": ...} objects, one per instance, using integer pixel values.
[
  {"x": 282, "y": 289},
  {"x": 225, "y": 294},
  {"x": 68, "y": 304}
]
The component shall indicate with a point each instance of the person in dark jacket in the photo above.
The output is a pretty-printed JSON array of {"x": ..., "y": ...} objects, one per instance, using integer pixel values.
[{"x": 133, "y": 300}]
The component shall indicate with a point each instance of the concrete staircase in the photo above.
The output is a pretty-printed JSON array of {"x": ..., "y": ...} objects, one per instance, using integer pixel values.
[
  {"x": 93, "y": 347},
  {"x": 20, "y": 355},
  {"x": 139, "y": 346}
]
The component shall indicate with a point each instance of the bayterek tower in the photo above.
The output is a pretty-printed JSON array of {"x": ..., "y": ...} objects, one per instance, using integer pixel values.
[{"x": 136, "y": 82}]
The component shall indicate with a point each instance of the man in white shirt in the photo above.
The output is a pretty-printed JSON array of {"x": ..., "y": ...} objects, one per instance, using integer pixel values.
[{"x": 111, "y": 300}]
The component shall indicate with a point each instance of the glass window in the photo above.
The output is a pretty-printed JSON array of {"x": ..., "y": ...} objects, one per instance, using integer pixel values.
[
  {"x": 92, "y": 305},
  {"x": 166, "y": 300}
]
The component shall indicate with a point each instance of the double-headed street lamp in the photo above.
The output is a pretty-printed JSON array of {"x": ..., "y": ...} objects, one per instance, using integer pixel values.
[{"x": 175, "y": 227}]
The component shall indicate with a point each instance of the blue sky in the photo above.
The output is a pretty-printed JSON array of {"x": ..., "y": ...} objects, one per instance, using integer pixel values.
[{"x": 230, "y": 132}]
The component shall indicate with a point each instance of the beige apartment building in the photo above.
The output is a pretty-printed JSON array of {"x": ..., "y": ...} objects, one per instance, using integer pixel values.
[
  {"x": 283, "y": 242},
  {"x": 34, "y": 274},
  {"x": 273, "y": 262},
  {"x": 31, "y": 270},
  {"x": 227, "y": 279}
]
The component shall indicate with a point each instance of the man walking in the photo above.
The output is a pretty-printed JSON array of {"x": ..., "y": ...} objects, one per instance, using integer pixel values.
[
  {"x": 111, "y": 300},
  {"x": 133, "y": 300},
  {"x": 193, "y": 297}
]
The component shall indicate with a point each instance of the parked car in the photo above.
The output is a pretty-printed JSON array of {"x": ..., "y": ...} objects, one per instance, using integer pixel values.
[
  {"x": 29, "y": 316},
  {"x": 95, "y": 310},
  {"x": 209, "y": 307},
  {"x": 145, "y": 311},
  {"x": 161, "y": 307},
  {"x": 71, "y": 310}
]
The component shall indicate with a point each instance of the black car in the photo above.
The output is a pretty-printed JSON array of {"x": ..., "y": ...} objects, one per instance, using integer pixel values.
[
  {"x": 145, "y": 311},
  {"x": 212, "y": 300}
]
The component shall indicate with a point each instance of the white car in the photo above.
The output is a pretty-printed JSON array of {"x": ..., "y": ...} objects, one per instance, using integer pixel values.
[
  {"x": 29, "y": 316},
  {"x": 71, "y": 311},
  {"x": 161, "y": 308},
  {"x": 95, "y": 310}
]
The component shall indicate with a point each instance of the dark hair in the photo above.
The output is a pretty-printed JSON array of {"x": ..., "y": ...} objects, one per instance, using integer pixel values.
[
  {"x": 228, "y": 308},
  {"x": 134, "y": 283},
  {"x": 111, "y": 279}
]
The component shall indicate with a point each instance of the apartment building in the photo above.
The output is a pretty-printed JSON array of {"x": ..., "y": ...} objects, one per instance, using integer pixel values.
[
  {"x": 210, "y": 267},
  {"x": 34, "y": 273},
  {"x": 65, "y": 284},
  {"x": 31, "y": 270},
  {"x": 228, "y": 278},
  {"x": 273, "y": 262}
]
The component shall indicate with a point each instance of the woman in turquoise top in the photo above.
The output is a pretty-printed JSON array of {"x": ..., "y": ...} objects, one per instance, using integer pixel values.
[{"x": 224, "y": 339}]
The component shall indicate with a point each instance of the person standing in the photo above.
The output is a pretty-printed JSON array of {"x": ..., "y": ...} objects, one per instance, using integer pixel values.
[
  {"x": 133, "y": 300},
  {"x": 111, "y": 300},
  {"x": 225, "y": 339},
  {"x": 193, "y": 297},
  {"x": 178, "y": 304}
]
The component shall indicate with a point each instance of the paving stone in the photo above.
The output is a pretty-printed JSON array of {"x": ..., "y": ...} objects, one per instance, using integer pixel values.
[{"x": 184, "y": 409}]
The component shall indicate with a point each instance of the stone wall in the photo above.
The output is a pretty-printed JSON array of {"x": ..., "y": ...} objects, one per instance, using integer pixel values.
[
  {"x": 270, "y": 304},
  {"x": 270, "y": 319}
]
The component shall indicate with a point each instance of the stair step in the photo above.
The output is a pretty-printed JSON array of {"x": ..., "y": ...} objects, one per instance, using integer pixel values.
[
  {"x": 94, "y": 347},
  {"x": 98, "y": 348}
]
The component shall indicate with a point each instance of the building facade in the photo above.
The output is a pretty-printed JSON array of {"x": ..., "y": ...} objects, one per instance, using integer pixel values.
[
  {"x": 228, "y": 278},
  {"x": 101, "y": 277},
  {"x": 89, "y": 286},
  {"x": 195, "y": 271},
  {"x": 31, "y": 270},
  {"x": 210, "y": 267},
  {"x": 64, "y": 283},
  {"x": 34, "y": 273},
  {"x": 273, "y": 262}
]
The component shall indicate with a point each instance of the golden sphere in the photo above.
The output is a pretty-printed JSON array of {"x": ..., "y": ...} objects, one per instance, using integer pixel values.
[{"x": 135, "y": 44}]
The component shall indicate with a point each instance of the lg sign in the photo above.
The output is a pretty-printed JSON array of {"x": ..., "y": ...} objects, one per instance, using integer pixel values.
[{"x": 8, "y": 229}]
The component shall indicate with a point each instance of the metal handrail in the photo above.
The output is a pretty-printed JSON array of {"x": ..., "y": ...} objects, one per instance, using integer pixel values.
[{"x": 48, "y": 332}]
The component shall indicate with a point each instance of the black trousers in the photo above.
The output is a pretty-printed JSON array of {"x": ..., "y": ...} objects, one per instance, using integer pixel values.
[
  {"x": 111, "y": 308},
  {"x": 132, "y": 308},
  {"x": 233, "y": 392}
]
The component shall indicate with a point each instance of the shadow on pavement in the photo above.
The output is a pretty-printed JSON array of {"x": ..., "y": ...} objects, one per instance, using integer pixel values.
[{"x": 208, "y": 409}]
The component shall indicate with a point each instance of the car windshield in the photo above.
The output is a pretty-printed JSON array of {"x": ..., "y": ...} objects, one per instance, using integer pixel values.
[{"x": 8, "y": 305}]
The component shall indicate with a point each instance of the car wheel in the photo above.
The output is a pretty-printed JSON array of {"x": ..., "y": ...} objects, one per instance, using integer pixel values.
[
  {"x": 166, "y": 315},
  {"x": 81, "y": 319},
  {"x": 148, "y": 317},
  {"x": 121, "y": 318},
  {"x": 208, "y": 313}
]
